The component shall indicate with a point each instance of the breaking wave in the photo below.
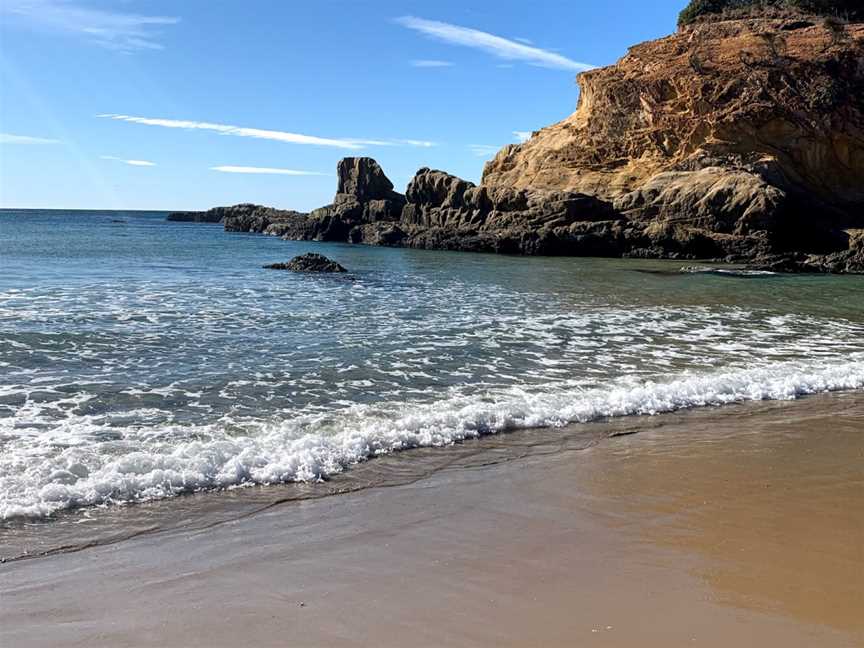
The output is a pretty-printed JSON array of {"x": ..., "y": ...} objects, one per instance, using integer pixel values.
[{"x": 142, "y": 464}]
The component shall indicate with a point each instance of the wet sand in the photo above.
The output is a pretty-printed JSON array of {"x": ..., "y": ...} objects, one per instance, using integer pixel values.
[{"x": 736, "y": 526}]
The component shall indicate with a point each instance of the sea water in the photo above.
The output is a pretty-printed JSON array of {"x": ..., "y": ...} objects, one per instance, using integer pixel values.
[{"x": 142, "y": 359}]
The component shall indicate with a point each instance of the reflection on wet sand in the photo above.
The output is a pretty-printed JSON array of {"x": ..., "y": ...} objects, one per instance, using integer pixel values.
[{"x": 771, "y": 504}]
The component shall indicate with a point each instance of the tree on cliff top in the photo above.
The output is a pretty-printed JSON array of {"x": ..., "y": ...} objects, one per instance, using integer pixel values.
[{"x": 703, "y": 9}]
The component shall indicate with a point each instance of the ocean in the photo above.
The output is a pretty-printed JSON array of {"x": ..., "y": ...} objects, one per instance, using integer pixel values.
[{"x": 142, "y": 359}]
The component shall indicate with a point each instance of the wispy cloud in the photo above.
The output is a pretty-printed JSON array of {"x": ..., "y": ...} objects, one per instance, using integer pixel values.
[
  {"x": 111, "y": 29},
  {"x": 239, "y": 131},
  {"x": 139, "y": 163},
  {"x": 412, "y": 142},
  {"x": 431, "y": 63},
  {"x": 265, "y": 170},
  {"x": 9, "y": 138},
  {"x": 260, "y": 133},
  {"x": 490, "y": 43},
  {"x": 522, "y": 136},
  {"x": 483, "y": 150}
]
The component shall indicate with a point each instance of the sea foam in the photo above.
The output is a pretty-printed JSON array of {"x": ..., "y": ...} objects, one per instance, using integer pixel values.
[{"x": 144, "y": 464}]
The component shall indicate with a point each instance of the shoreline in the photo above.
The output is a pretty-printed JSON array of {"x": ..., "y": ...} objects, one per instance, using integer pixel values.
[
  {"x": 427, "y": 427},
  {"x": 84, "y": 527},
  {"x": 527, "y": 539}
]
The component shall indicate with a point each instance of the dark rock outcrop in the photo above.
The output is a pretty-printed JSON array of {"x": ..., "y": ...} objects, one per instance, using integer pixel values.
[
  {"x": 308, "y": 263},
  {"x": 846, "y": 261},
  {"x": 210, "y": 216},
  {"x": 444, "y": 211},
  {"x": 246, "y": 218},
  {"x": 363, "y": 179},
  {"x": 364, "y": 196},
  {"x": 255, "y": 218}
]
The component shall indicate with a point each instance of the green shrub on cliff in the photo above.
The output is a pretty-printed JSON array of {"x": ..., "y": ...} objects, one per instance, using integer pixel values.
[{"x": 699, "y": 9}]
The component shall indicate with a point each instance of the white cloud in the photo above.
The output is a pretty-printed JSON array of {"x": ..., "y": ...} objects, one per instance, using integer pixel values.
[
  {"x": 522, "y": 136},
  {"x": 483, "y": 150},
  {"x": 111, "y": 29},
  {"x": 492, "y": 44},
  {"x": 527, "y": 41},
  {"x": 260, "y": 133},
  {"x": 411, "y": 142},
  {"x": 9, "y": 138},
  {"x": 265, "y": 170},
  {"x": 430, "y": 63},
  {"x": 140, "y": 163}
]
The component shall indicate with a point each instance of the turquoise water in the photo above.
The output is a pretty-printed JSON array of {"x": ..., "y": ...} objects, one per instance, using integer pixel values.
[{"x": 141, "y": 359}]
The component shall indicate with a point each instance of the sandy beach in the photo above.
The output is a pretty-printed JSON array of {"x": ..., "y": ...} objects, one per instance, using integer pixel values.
[
  {"x": 721, "y": 527},
  {"x": 299, "y": 349}
]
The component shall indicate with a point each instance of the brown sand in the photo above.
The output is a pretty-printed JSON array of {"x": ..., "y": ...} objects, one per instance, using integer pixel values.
[{"x": 735, "y": 527}]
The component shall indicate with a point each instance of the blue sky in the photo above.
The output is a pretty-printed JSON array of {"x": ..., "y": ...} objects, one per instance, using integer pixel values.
[{"x": 149, "y": 104}]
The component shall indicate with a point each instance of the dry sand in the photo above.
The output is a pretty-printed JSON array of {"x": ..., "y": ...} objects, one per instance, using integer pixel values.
[{"x": 735, "y": 527}]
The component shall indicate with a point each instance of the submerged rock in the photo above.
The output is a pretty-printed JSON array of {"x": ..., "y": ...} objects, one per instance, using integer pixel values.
[{"x": 308, "y": 263}]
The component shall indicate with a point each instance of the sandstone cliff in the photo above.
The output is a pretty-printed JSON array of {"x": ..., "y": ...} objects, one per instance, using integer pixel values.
[
  {"x": 730, "y": 127},
  {"x": 737, "y": 140}
]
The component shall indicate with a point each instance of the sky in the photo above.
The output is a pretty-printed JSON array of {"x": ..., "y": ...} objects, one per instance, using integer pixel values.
[{"x": 159, "y": 104}]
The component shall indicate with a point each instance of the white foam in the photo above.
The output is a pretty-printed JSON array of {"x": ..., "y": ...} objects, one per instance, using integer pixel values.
[
  {"x": 735, "y": 272},
  {"x": 143, "y": 466}
]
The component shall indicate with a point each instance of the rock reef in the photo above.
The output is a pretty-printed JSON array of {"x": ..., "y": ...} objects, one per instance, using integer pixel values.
[
  {"x": 735, "y": 140},
  {"x": 310, "y": 262}
]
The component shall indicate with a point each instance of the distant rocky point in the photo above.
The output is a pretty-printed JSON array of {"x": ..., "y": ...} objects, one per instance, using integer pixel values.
[
  {"x": 732, "y": 140},
  {"x": 308, "y": 263},
  {"x": 211, "y": 216},
  {"x": 240, "y": 218}
]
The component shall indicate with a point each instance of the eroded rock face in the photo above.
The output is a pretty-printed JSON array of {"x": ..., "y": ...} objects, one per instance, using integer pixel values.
[
  {"x": 738, "y": 140},
  {"x": 444, "y": 211},
  {"x": 363, "y": 178},
  {"x": 308, "y": 263},
  {"x": 727, "y": 201},
  {"x": 364, "y": 195},
  {"x": 742, "y": 92},
  {"x": 742, "y": 139},
  {"x": 845, "y": 261}
]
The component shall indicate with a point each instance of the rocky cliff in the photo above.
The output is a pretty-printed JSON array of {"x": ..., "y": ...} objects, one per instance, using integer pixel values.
[
  {"x": 738, "y": 140},
  {"x": 738, "y": 128}
]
